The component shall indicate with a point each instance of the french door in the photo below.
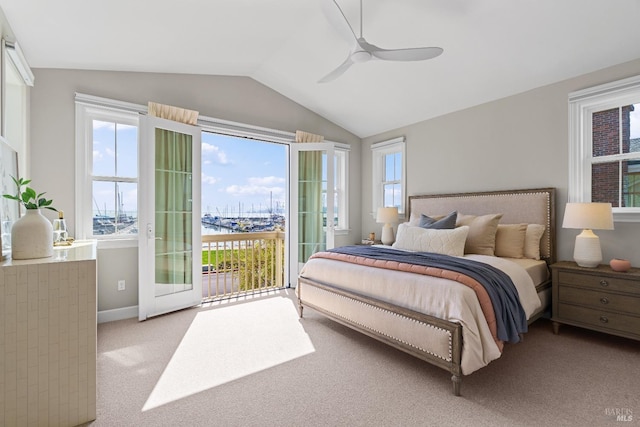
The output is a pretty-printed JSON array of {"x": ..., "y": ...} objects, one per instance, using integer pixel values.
[
  {"x": 170, "y": 261},
  {"x": 312, "y": 196}
]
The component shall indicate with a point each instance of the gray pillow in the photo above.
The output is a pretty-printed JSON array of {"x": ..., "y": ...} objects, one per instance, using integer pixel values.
[{"x": 446, "y": 223}]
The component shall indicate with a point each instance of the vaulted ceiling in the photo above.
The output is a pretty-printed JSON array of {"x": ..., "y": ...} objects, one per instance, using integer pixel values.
[{"x": 492, "y": 48}]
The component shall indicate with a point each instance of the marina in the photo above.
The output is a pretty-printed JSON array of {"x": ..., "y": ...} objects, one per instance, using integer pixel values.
[{"x": 271, "y": 222}]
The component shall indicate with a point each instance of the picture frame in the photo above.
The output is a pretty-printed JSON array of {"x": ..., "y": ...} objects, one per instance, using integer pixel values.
[{"x": 9, "y": 209}]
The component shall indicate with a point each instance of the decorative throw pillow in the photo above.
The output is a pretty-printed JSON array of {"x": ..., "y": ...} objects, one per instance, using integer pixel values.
[
  {"x": 415, "y": 217},
  {"x": 532, "y": 241},
  {"x": 447, "y": 222},
  {"x": 510, "y": 240},
  {"x": 482, "y": 233},
  {"x": 447, "y": 242}
]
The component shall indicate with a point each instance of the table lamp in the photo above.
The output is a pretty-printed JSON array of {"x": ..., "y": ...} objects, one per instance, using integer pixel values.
[
  {"x": 588, "y": 217},
  {"x": 387, "y": 216}
]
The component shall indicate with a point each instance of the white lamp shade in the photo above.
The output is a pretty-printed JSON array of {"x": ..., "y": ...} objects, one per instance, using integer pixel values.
[
  {"x": 387, "y": 215},
  {"x": 594, "y": 216}
]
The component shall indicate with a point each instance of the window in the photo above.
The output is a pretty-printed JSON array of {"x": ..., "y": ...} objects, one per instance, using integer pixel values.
[
  {"x": 114, "y": 176},
  {"x": 107, "y": 176},
  {"x": 17, "y": 76},
  {"x": 615, "y": 164},
  {"x": 605, "y": 147},
  {"x": 341, "y": 205},
  {"x": 389, "y": 174}
]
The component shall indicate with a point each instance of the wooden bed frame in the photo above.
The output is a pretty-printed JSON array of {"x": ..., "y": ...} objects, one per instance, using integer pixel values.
[{"x": 534, "y": 206}]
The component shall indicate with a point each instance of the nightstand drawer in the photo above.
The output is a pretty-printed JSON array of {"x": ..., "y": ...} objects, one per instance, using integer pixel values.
[
  {"x": 600, "y": 318},
  {"x": 588, "y": 281},
  {"x": 600, "y": 300}
]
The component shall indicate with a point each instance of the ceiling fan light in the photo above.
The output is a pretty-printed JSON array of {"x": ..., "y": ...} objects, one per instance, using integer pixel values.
[{"x": 360, "y": 56}]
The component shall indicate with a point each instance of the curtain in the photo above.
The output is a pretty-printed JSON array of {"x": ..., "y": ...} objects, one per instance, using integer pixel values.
[
  {"x": 173, "y": 216},
  {"x": 169, "y": 112},
  {"x": 310, "y": 208}
]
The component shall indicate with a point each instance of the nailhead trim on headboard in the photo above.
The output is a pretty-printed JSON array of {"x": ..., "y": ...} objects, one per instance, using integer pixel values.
[{"x": 489, "y": 202}]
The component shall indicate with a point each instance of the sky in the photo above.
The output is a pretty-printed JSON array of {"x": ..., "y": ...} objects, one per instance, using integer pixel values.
[{"x": 242, "y": 171}]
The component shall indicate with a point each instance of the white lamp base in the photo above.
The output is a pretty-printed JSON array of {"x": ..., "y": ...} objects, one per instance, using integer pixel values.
[
  {"x": 387, "y": 237},
  {"x": 587, "y": 252}
]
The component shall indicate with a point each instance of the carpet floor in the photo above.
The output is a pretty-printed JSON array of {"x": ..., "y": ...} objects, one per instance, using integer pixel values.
[{"x": 253, "y": 362}]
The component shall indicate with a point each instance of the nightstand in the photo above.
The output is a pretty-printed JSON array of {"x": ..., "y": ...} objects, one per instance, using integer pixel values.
[{"x": 596, "y": 298}]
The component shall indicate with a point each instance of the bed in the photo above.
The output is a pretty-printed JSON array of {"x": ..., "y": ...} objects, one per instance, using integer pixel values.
[{"x": 438, "y": 312}]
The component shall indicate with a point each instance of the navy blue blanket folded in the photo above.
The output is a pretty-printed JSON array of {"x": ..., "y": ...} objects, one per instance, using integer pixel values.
[{"x": 511, "y": 319}]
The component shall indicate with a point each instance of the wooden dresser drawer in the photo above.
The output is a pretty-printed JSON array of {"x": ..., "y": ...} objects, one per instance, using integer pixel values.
[
  {"x": 599, "y": 282},
  {"x": 600, "y": 318},
  {"x": 600, "y": 300},
  {"x": 596, "y": 298}
]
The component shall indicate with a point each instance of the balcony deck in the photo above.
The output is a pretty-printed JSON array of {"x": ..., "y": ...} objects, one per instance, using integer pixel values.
[{"x": 239, "y": 263}]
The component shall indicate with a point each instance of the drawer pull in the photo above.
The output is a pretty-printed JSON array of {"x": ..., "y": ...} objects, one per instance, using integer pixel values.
[
  {"x": 604, "y": 283},
  {"x": 604, "y": 300},
  {"x": 604, "y": 319}
]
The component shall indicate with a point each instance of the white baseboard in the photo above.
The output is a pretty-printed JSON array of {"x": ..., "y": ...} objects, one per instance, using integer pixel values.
[{"x": 117, "y": 314}]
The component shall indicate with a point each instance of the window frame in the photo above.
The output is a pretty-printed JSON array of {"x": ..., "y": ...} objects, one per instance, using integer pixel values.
[
  {"x": 88, "y": 110},
  {"x": 378, "y": 153},
  {"x": 341, "y": 182},
  {"x": 582, "y": 105}
]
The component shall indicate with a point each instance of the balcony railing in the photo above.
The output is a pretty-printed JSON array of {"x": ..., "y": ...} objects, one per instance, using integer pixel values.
[{"x": 238, "y": 263}]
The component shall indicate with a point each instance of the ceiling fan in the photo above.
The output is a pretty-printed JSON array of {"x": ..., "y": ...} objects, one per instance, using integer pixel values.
[{"x": 363, "y": 51}]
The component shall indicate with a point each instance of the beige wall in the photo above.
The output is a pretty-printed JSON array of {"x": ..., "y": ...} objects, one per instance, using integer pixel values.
[
  {"x": 238, "y": 99},
  {"x": 516, "y": 142}
]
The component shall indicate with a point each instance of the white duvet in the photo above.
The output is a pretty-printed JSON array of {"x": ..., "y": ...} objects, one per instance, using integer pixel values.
[{"x": 435, "y": 296}]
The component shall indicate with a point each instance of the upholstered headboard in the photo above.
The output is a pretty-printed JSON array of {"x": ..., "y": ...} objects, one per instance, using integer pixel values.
[{"x": 531, "y": 206}]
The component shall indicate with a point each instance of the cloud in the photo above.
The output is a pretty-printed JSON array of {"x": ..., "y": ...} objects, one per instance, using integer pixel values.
[
  {"x": 206, "y": 179},
  {"x": 219, "y": 156},
  {"x": 265, "y": 180},
  {"x": 258, "y": 186}
]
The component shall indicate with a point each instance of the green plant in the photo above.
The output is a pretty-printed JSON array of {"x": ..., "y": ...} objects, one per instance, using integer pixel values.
[{"x": 28, "y": 197}]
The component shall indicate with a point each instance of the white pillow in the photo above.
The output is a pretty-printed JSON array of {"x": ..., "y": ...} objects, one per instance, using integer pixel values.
[{"x": 447, "y": 242}]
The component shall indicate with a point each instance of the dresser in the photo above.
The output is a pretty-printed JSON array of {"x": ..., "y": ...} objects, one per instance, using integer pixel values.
[
  {"x": 48, "y": 338},
  {"x": 596, "y": 298}
]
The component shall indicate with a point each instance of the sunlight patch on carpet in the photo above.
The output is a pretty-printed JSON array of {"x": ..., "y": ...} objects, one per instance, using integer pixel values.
[{"x": 228, "y": 343}]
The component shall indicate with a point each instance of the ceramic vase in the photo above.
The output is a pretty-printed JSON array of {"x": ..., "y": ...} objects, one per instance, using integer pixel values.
[{"x": 32, "y": 236}]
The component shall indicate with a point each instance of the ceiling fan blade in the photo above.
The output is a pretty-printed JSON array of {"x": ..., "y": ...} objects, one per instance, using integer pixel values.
[
  {"x": 410, "y": 54},
  {"x": 336, "y": 17},
  {"x": 338, "y": 71}
]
